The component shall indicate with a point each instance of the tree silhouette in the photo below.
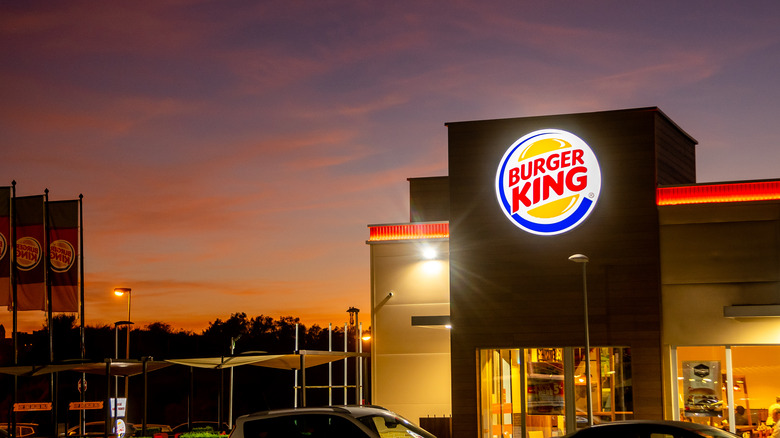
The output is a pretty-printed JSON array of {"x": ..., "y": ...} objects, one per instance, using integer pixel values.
[{"x": 256, "y": 388}]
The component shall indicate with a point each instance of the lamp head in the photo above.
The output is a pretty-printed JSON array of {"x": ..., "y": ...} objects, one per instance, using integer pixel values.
[
  {"x": 579, "y": 258},
  {"x": 429, "y": 253},
  {"x": 119, "y": 291}
]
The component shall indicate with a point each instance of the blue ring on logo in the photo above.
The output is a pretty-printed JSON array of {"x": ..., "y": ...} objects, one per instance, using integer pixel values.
[{"x": 556, "y": 227}]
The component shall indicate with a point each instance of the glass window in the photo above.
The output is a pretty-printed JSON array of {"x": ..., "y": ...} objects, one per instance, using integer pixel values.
[
  {"x": 522, "y": 393},
  {"x": 391, "y": 425},
  {"x": 703, "y": 386},
  {"x": 303, "y": 426}
]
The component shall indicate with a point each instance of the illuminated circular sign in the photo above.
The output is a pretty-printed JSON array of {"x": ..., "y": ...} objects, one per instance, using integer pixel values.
[
  {"x": 28, "y": 253},
  {"x": 62, "y": 255},
  {"x": 121, "y": 428},
  {"x": 548, "y": 182}
]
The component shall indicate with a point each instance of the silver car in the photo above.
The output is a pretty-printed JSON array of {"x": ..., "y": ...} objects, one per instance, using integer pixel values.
[{"x": 327, "y": 422}]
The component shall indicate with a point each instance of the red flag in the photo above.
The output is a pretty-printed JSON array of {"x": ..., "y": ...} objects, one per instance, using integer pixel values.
[
  {"x": 5, "y": 239},
  {"x": 30, "y": 266},
  {"x": 63, "y": 218}
]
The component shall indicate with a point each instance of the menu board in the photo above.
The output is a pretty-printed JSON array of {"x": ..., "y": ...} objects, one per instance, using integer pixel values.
[{"x": 702, "y": 388}]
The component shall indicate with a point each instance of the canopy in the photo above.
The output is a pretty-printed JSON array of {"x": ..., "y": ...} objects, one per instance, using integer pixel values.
[
  {"x": 121, "y": 367},
  {"x": 309, "y": 358},
  {"x": 118, "y": 368}
]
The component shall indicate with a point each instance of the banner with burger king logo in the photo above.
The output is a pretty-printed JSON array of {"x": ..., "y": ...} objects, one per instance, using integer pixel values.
[
  {"x": 63, "y": 226},
  {"x": 30, "y": 263}
]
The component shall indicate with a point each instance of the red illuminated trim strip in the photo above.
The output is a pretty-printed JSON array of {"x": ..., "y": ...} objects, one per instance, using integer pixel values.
[
  {"x": 715, "y": 193},
  {"x": 380, "y": 233}
]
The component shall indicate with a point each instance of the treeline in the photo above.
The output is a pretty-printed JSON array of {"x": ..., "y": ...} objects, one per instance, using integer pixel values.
[
  {"x": 171, "y": 389},
  {"x": 161, "y": 341}
]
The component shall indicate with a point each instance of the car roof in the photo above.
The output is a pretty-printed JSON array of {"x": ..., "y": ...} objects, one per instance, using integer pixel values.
[
  {"x": 681, "y": 424},
  {"x": 684, "y": 425},
  {"x": 356, "y": 411}
]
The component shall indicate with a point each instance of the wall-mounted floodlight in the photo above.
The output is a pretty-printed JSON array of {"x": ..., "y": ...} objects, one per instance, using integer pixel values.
[{"x": 429, "y": 253}]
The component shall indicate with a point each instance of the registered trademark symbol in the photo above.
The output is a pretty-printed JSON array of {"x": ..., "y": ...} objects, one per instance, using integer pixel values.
[{"x": 591, "y": 195}]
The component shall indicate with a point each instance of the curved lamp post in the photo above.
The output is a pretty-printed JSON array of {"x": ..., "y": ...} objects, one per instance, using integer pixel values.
[
  {"x": 583, "y": 259},
  {"x": 119, "y": 291}
]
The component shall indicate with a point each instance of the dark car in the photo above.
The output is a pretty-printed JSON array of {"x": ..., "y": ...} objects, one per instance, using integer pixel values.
[
  {"x": 651, "y": 429},
  {"x": 98, "y": 428},
  {"x": 23, "y": 430},
  {"x": 200, "y": 425},
  {"x": 341, "y": 421}
]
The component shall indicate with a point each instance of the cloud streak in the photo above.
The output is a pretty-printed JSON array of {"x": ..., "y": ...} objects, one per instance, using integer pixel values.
[{"x": 231, "y": 156}]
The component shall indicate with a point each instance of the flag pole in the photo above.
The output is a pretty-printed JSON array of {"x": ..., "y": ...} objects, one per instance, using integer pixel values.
[
  {"x": 81, "y": 275},
  {"x": 47, "y": 262},
  {"x": 82, "y": 330},
  {"x": 49, "y": 310},
  {"x": 14, "y": 304}
]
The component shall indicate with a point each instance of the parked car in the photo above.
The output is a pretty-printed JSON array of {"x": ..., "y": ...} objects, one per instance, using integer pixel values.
[
  {"x": 23, "y": 430},
  {"x": 649, "y": 428},
  {"x": 97, "y": 428},
  {"x": 341, "y": 421},
  {"x": 153, "y": 428},
  {"x": 184, "y": 427}
]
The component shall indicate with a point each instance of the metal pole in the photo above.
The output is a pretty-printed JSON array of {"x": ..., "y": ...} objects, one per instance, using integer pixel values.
[
  {"x": 127, "y": 347},
  {"x": 221, "y": 397},
  {"x": 360, "y": 362},
  {"x": 230, "y": 400},
  {"x": 295, "y": 372},
  {"x": 587, "y": 345},
  {"x": 109, "y": 411},
  {"x": 583, "y": 259},
  {"x": 82, "y": 328},
  {"x": 146, "y": 392},
  {"x": 303, "y": 379},
  {"x": 116, "y": 357},
  {"x": 330, "y": 365}
]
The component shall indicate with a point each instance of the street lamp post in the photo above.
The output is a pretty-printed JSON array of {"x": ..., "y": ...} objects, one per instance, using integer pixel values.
[
  {"x": 354, "y": 312},
  {"x": 119, "y": 291},
  {"x": 583, "y": 259},
  {"x": 230, "y": 399},
  {"x": 116, "y": 356}
]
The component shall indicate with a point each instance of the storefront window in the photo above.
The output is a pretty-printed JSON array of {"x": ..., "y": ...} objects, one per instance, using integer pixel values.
[
  {"x": 523, "y": 392},
  {"x": 705, "y": 393}
]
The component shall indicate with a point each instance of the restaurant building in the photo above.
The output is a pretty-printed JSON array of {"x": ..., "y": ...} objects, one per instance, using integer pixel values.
[{"x": 556, "y": 233}]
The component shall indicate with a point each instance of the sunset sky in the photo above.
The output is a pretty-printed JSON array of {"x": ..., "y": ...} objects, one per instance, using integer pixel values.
[{"x": 232, "y": 153}]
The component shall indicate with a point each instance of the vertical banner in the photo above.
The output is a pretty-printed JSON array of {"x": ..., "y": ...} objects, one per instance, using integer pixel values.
[
  {"x": 63, "y": 218},
  {"x": 5, "y": 245},
  {"x": 30, "y": 266},
  {"x": 702, "y": 388}
]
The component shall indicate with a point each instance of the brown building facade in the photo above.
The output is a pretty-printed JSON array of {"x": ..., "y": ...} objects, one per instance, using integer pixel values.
[{"x": 657, "y": 270}]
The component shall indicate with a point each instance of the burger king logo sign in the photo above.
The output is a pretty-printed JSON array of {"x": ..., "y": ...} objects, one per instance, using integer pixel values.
[
  {"x": 61, "y": 255},
  {"x": 28, "y": 253},
  {"x": 548, "y": 182}
]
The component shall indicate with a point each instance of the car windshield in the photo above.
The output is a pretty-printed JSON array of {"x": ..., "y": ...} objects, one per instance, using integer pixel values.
[
  {"x": 714, "y": 433},
  {"x": 707, "y": 431},
  {"x": 393, "y": 426}
]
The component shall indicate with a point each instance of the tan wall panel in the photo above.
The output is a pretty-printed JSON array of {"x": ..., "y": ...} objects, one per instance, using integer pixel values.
[
  {"x": 411, "y": 365},
  {"x": 720, "y": 252},
  {"x": 395, "y": 333},
  {"x": 400, "y": 389},
  {"x": 693, "y": 314},
  {"x": 399, "y": 267}
]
